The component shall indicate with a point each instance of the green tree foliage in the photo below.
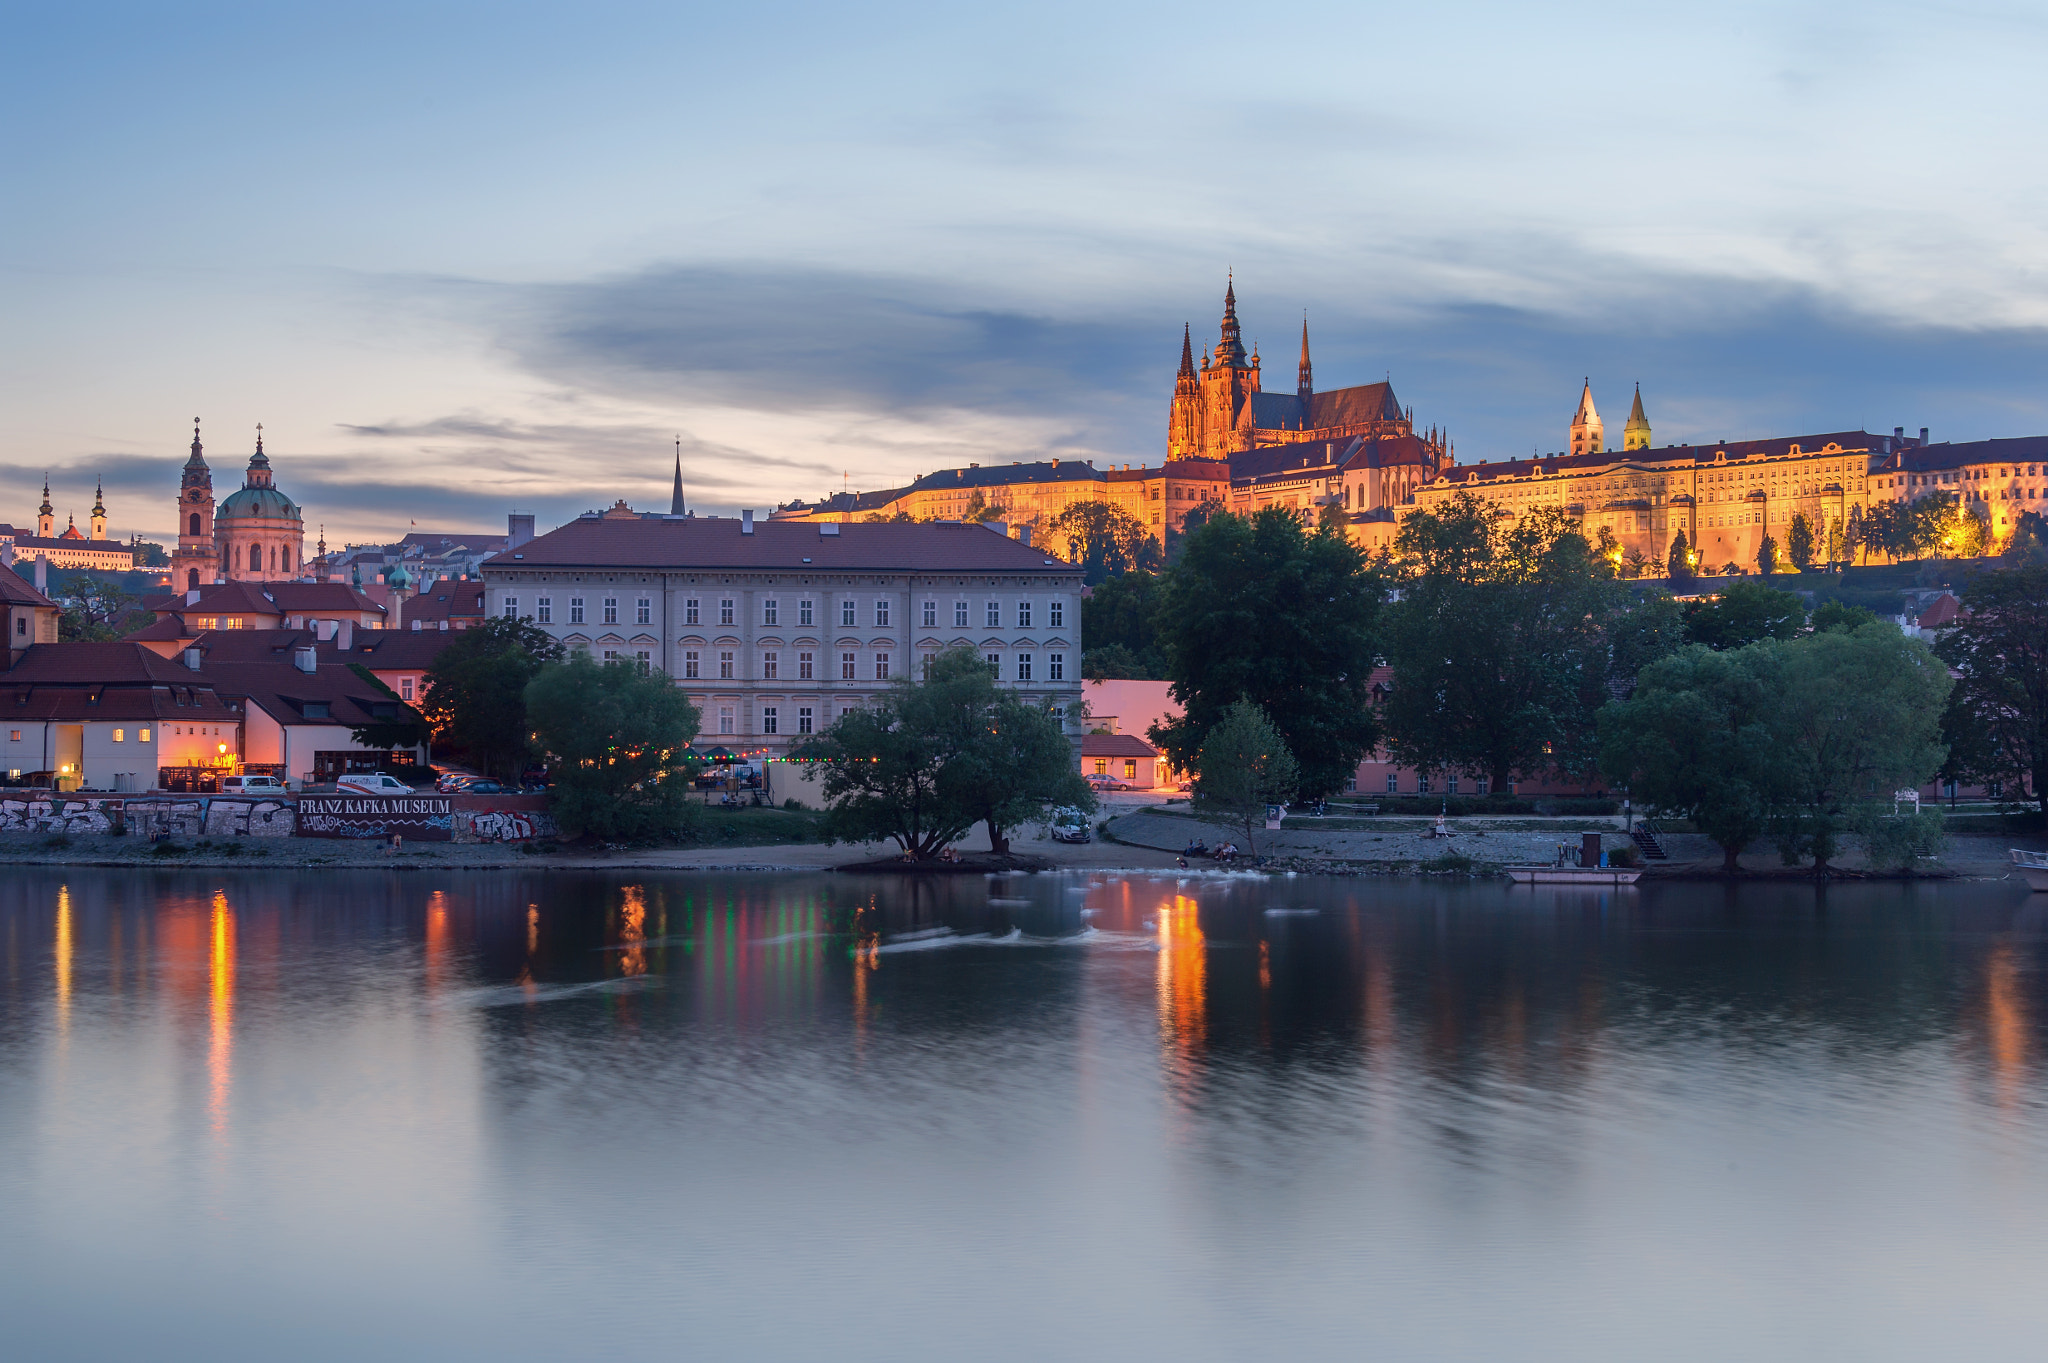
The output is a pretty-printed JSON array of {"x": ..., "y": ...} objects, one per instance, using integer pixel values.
[
  {"x": 393, "y": 723},
  {"x": 1767, "y": 556},
  {"x": 1799, "y": 543},
  {"x": 1121, "y": 614},
  {"x": 1498, "y": 645},
  {"x": 2027, "y": 545},
  {"x": 94, "y": 610},
  {"x": 1693, "y": 742},
  {"x": 927, "y": 760},
  {"x": 980, "y": 510},
  {"x": 1743, "y": 614},
  {"x": 476, "y": 692},
  {"x": 1678, "y": 563},
  {"x": 1838, "y": 615},
  {"x": 616, "y": 742},
  {"x": 1647, "y": 630},
  {"x": 1997, "y": 718},
  {"x": 1113, "y": 662},
  {"x": 1856, "y": 716},
  {"x": 1853, "y": 543},
  {"x": 1261, "y": 609},
  {"x": 1105, "y": 540},
  {"x": 1244, "y": 766},
  {"x": 150, "y": 554}
]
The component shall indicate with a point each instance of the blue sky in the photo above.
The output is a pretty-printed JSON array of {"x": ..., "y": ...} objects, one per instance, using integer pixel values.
[{"x": 467, "y": 259}]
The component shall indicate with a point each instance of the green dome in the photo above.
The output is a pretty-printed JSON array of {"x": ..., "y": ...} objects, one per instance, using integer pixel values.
[
  {"x": 398, "y": 577},
  {"x": 258, "y": 501}
]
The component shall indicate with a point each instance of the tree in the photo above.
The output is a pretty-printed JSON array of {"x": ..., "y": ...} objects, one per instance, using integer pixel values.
[
  {"x": 475, "y": 693},
  {"x": 393, "y": 723},
  {"x": 979, "y": 510},
  {"x": 1106, "y": 540},
  {"x": 1242, "y": 767},
  {"x": 1121, "y": 613},
  {"x": 1651, "y": 628},
  {"x": 1015, "y": 760},
  {"x": 1112, "y": 661},
  {"x": 1799, "y": 543},
  {"x": 1497, "y": 644},
  {"x": 1997, "y": 717},
  {"x": 2027, "y": 545},
  {"x": 95, "y": 609},
  {"x": 1853, "y": 543},
  {"x": 1767, "y": 556},
  {"x": 1692, "y": 742},
  {"x": 1838, "y": 615},
  {"x": 1743, "y": 614},
  {"x": 1855, "y": 717},
  {"x": 1679, "y": 562},
  {"x": 1259, "y": 608},
  {"x": 616, "y": 741},
  {"x": 149, "y": 554}
]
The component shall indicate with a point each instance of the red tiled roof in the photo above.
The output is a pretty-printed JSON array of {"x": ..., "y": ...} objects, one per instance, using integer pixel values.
[
  {"x": 1116, "y": 745},
  {"x": 15, "y": 590},
  {"x": 1850, "y": 443},
  {"x": 713, "y": 543},
  {"x": 444, "y": 600}
]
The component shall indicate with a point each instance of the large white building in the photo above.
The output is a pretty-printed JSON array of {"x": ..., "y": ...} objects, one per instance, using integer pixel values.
[{"x": 775, "y": 628}]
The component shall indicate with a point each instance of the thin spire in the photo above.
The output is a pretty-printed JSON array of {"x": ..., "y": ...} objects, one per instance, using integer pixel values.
[
  {"x": 198, "y": 450},
  {"x": 1305, "y": 384},
  {"x": 99, "y": 497},
  {"x": 675, "y": 500},
  {"x": 1187, "y": 352},
  {"x": 1230, "y": 346}
]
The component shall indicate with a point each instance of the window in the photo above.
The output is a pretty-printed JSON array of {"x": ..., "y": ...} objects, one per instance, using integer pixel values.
[
  {"x": 1023, "y": 667},
  {"x": 725, "y": 611},
  {"x": 803, "y": 719},
  {"x": 645, "y": 659},
  {"x": 725, "y": 665},
  {"x": 1351, "y": 785},
  {"x": 1422, "y": 785},
  {"x": 1393, "y": 784},
  {"x": 1451, "y": 786},
  {"x": 1480, "y": 786},
  {"x": 1056, "y": 614},
  {"x": 1055, "y": 667},
  {"x": 120, "y": 735},
  {"x": 1023, "y": 615},
  {"x": 611, "y": 610},
  {"x": 882, "y": 614},
  {"x": 846, "y": 662},
  {"x": 1130, "y": 769},
  {"x": 803, "y": 666},
  {"x": 575, "y": 610},
  {"x": 925, "y": 664},
  {"x": 142, "y": 735},
  {"x": 995, "y": 664},
  {"x": 960, "y": 615},
  {"x": 543, "y": 611},
  {"x": 1102, "y": 766},
  {"x": 405, "y": 686},
  {"x": 611, "y": 655},
  {"x": 881, "y": 667},
  {"x": 846, "y": 612},
  {"x": 643, "y": 612},
  {"x": 771, "y": 611},
  {"x": 690, "y": 611},
  {"x": 768, "y": 719},
  {"x": 690, "y": 661},
  {"x": 725, "y": 719},
  {"x": 770, "y": 662},
  {"x": 931, "y": 615},
  {"x": 511, "y": 608},
  {"x": 993, "y": 614},
  {"x": 803, "y": 611}
]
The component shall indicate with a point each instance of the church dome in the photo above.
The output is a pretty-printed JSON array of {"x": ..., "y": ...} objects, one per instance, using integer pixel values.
[
  {"x": 398, "y": 578},
  {"x": 266, "y": 502}
]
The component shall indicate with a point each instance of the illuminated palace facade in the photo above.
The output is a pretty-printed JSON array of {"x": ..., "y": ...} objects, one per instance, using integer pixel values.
[{"x": 1229, "y": 442}]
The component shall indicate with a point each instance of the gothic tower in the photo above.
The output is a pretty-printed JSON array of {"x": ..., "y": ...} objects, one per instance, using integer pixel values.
[
  {"x": 1228, "y": 381},
  {"x": 99, "y": 510},
  {"x": 195, "y": 564},
  {"x": 1305, "y": 385},
  {"x": 46, "y": 515},
  {"x": 1636, "y": 435},
  {"x": 1586, "y": 428},
  {"x": 1183, "y": 417}
]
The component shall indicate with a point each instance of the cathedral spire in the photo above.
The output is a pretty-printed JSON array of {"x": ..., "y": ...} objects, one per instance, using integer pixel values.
[
  {"x": 1305, "y": 384},
  {"x": 1187, "y": 352},
  {"x": 1230, "y": 346},
  {"x": 198, "y": 459},
  {"x": 1636, "y": 434},
  {"x": 675, "y": 499}
]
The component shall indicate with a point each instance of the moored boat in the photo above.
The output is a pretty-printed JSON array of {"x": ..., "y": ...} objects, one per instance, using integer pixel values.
[
  {"x": 1574, "y": 875},
  {"x": 2032, "y": 866}
]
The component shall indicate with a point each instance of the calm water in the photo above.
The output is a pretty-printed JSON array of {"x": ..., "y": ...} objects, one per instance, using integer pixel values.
[{"x": 443, "y": 1116}]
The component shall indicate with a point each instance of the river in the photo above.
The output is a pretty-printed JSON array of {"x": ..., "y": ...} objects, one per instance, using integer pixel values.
[{"x": 268, "y": 1115}]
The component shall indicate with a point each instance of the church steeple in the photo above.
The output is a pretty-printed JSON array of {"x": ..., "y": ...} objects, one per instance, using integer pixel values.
[
  {"x": 675, "y": 500},
  {"x": 1230, "y": 347},
  {"x": 1306, "y": 383},
  {"x": 99, "y": 510},
  {"x": 198, "y": 459},
  {"x": 1636, "y": 434},
  {"x": 1187, "y": 355},
  {"x": 1587, "y": 431},
  {"x": 46, "y": 515}
]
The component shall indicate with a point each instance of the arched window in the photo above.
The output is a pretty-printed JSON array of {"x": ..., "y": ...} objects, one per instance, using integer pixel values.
[
  {"x": 287, "y": 558},
  {"x": 195, "y": 523},
  {"x": 192, "y": 580},
  {"x": 256, "y": 558}
]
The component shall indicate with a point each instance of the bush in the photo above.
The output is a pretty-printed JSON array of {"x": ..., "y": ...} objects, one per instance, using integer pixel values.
[
  {"x": 167, "y": 849},
  {"x": 1624, "y": 856}
]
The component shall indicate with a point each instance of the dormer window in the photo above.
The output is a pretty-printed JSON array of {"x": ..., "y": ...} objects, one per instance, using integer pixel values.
[{"x": 317, "y": 709}]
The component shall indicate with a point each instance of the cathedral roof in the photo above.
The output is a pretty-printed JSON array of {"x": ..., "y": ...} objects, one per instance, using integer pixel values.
[
  {"x": 1337, "y": 407},
  {"x": 258, "y": 502},
  {"x": 1002, "y": 475}
]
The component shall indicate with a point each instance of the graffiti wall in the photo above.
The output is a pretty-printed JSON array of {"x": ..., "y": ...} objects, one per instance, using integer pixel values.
[
  {"x": 60, "y": 814},
  {"x": 257, "y": 818},
  {"x": 422, "y": 818},
  {"x": 505, "y": 817}
]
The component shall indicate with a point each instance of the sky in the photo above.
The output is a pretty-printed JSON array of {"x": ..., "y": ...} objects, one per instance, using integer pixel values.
[{"x": 461, "y": 260}]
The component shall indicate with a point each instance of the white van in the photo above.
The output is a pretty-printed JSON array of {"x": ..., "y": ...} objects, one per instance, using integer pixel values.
[
  {"x": 251, "y": 785},
  {"x": 372, "y": 783}
]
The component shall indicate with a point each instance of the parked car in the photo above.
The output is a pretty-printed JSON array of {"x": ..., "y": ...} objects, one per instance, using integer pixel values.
[
  {"x": 1068, "y": 825},
  {"x": 480, "y": 786},
  {"x": 250, "y": 785},
  {"x": 453, "y": 782},
  {"x": 1108, "y": 783},
  {"x": 372, "y": 783}
]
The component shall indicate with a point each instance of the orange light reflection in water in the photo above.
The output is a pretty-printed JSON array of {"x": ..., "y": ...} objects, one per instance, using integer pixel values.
[
  {"x": 2005, "y": 1025},
  {"x": 1182, "y": 983},
  {"x": 437, "y": 941},
  {"x": 633, "y": 931},
  {"x": 220, "y": 1012},
  {"x": 62, "y": 962}
]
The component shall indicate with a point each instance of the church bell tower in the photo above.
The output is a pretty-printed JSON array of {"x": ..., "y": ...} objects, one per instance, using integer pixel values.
[
  {"x": 195, "y": 564},
  {"x": 1587, "y": 432}
]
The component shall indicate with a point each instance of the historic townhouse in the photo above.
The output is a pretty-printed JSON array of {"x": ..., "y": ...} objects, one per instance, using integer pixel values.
[
  {"x": 1999, "y": 480},
  {"x": 775, "y": 628}
]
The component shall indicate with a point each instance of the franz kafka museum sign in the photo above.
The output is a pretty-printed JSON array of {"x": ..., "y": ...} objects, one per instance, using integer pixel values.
[{"x": 423, "y": 818}]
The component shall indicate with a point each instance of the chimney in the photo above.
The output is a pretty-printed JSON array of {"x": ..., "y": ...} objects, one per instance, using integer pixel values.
[
  {"x": 192, "y": 597},
  {"x": 518, "y": 529},
  {"x": 192, "y": 658},
  {"x": 7, "y": 553},
  {"x": 344, "y": 634},
  {"x": 304, "y": 659},
  {"x": 43, "y": 574},
  {"x": 1899, "y": 434},
  {"x": 999, "y": 527},
  {"x": 1024, "y": 534},
  {"x": 747, "y": 521},
  {"x": 1923, "y": 435},
  {"x": 323, "y": 630},
  {"x": 444, "y": 626}
]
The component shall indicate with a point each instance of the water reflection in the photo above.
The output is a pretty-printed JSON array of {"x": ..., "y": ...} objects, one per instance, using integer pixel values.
[{"x": 220, "y": 1012}]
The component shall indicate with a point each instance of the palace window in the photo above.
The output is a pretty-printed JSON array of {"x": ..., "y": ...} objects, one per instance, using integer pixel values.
[
  {"x": 645, "y": 661},
  {"x": 725, "y": 665},
  {"x": 611, "y": 655},
  {"x": 643, "y": 612},
  {"x": 1023, "y": 667},
  {"x": 960, "y": 615},
  {"x": 881, "y": 613},
  {"x": 768, "y": 719},
  {"x": 803, "y": 667},
  {"x": 725, "y": 611},
  {"x": 1056, "y": 614},
  {"x": 771, "y": 610},
  {"x": 611, "y": 610},
  {"x": 725, "y": 719},
  {"x": 543, "y": 611},
  {"x": 931, "y": 615},
  {"x": 995, "y": 664},
  {"x": 846, "y": 665},
  {"x": 803, "y": 719},
  {"x": 993, "y": 614},
  {"x": 769, "y": 663},
  {"x": 690, "y": 611},
  {"x": 881, "y": 667},
  {"x": 575, "y": 610},
  {"x": 803, "y": 611},
  {"x": 846, "y": 612},
  {"x": 690, "y": 662},
  {"x": 1023, "y": 615},
  {"x": 1055, "y": 667},
  {"x": 511, "y": 608}
]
